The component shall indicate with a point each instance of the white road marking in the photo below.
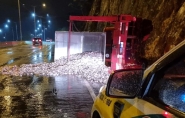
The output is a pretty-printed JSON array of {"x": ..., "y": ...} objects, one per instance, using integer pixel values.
[{"x": 90, "y": 89}]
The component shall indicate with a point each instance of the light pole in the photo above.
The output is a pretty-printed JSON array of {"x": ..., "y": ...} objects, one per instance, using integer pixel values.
[
  {"x": 6, "y": 26},
  {"x": 13, "y": 28},
  {"x": 34, "y": 19},
  {"x": 0, "y": 32},
  {"x": 42, "y": 25},
  {"x": 16, "y": 30},
  {"x": 44, "y": 30},
  {"x": 13, "y": 33},
  {"x": 44, "y": 33},
  {"x": 20, "y": 20}
]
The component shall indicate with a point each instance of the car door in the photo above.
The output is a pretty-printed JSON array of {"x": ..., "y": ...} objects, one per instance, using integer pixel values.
[
  {"x": 164, "y": 95},
  {"x": 167, "y": 87}
]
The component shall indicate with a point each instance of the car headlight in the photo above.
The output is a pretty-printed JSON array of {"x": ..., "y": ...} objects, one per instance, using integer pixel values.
[{"x": 101, "y": 89}]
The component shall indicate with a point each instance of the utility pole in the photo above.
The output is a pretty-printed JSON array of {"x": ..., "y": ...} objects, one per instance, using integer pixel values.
[
  {"x": 44, "y": 34},
  {"x": 20, "y": 21},
  {"x": 34, "y": 21},
  {"x": 16, "y": 30},
  {"x": 13, "y": 33}
]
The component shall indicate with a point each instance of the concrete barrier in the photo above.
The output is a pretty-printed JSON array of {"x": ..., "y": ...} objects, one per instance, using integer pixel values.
[{"x": 11, "y": 43}]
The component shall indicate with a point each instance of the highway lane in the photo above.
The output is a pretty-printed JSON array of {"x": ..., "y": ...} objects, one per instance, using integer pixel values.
[{"x": 27, "y": 54}]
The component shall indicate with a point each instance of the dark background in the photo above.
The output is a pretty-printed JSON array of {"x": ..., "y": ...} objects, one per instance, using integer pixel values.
[{"x": 58, "y": 10}]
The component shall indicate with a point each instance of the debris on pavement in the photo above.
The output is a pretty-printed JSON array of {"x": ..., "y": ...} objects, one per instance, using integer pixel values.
[{"x": 89, "y": 65}]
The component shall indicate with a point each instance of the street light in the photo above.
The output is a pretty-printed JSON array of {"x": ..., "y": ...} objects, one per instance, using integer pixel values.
[
  {"x": 0, "y": 32},
  {"x": 8, "y": 21},
  {"x": 45, "y": 33},
  {"x": 34, "y": 18},
  {"x": 43, "y": 4},
  {"x": 12, "y": 29},
  {"x": 15, "y": 28},
  {"x": 34, "y": 15},
  {"x": 44, "y": 28},
  {"x": 6, "y": 26},
  {"x": 40, "y": 25}
]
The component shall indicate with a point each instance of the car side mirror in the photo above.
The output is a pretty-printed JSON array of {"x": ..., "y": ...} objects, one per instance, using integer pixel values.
[{"x": 124, "y": 83}]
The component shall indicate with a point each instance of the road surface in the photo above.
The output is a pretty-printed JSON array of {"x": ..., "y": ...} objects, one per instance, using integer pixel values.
[
  {"x": 27, "y": 54},
  {"x": 64, "y": 96}
]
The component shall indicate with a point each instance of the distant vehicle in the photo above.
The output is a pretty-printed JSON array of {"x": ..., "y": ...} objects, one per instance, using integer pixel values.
[
  {"x": 48, "y": 40},
  {"x": 156, "y": 92},
  {"x": 37, "y": 41}
]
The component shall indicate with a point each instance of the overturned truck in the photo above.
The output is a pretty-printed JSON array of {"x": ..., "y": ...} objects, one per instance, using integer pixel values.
[{"x": 119, "y": 43}]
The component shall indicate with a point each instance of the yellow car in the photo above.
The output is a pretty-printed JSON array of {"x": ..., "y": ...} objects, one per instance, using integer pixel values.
[{"x": 156, "y": 92}]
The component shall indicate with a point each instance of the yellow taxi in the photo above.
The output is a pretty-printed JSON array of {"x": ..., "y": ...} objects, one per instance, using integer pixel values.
[{"x": 156, "y": 92}]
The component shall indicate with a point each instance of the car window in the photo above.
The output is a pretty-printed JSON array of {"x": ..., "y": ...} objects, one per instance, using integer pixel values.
[
  {"x": 171, "y": 86},
  {"x": 126, "y": 83}
]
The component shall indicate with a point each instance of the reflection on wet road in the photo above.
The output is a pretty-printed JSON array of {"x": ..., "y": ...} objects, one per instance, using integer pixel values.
[
  {"x": 26, "y": 54},
  {"x": 43, "y": 97},
  {"x": 64, "y": 96}
]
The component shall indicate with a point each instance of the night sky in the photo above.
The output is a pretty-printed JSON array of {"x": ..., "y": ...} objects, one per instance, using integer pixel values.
[{"x": 58, "y": 10}]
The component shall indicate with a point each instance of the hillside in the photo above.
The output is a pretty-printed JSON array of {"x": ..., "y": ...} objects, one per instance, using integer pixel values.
[{"x": 168, "y": 17}]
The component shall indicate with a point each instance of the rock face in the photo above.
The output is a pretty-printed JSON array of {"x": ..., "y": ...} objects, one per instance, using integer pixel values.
[{"x": 168, "y": 17}]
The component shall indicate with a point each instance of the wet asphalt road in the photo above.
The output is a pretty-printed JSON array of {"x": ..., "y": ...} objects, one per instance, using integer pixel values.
[
  {"x": 27, "y": 54},
  {"x": 42, "y": 97}
]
